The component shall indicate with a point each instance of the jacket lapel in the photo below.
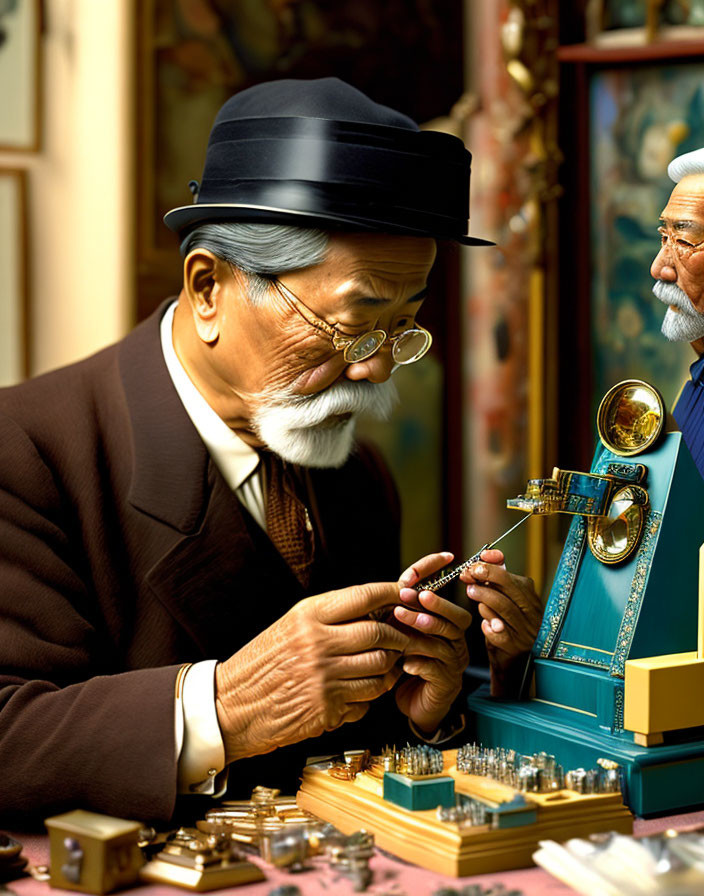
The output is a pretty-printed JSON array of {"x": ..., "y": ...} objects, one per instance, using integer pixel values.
[
  {"x": 215, "y": 570},
  {"x": 224, "y": 583}
]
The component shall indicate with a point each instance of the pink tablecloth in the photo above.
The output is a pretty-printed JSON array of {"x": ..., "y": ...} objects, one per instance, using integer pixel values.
[{"x": 391, "y": 877}]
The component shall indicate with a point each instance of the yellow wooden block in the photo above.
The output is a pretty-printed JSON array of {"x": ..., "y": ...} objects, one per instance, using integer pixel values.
[
  {"x": 700, "y": 626},
  {"x": 662, "y": 693}
]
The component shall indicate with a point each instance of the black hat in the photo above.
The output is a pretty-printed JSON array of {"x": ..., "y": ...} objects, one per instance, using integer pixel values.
[{"x": 317, "y": 153}]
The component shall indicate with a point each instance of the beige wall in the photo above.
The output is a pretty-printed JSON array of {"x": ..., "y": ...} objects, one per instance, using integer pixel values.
[{"x": 80, "y": 183}]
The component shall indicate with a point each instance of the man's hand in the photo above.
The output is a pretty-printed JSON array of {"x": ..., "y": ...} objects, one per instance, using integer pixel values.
[
  {"x": 437, "y": 654},
  {"x": 314, "y": 669},
  {"x": 511, "y": 612}
]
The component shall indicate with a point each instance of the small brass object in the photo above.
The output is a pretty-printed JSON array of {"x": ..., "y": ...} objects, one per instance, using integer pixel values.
[
  {"x": 631, "y": 417},
  {"x": 350, "y": 857},
  {"x": 614, "y": 537},
  {"x": 249, "y": 821},
  {"x": 614, "y": 502},
  {"x": 93, "y": 853},
  {"x": 200, "y": 862},
  {"x": 355, "y": 762}
]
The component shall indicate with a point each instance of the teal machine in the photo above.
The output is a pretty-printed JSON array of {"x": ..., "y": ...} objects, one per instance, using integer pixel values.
[{"x": 617, "y": 668}]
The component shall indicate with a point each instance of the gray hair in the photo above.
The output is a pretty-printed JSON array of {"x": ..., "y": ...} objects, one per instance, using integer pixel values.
[
  {"x": 259, "y": 249},
  {"x": 689, "y": 163}
]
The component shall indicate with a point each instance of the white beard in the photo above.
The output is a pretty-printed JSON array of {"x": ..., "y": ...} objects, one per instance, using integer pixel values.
[
  {"x": 302, "y": 429},
  {"x": 684, "y": 325}
]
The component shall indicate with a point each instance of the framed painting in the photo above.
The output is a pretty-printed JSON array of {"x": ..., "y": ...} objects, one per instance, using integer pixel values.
[
  {"x": 13, "y": 276},
  {"x": 613, "y": 22},
  {"x": 20, "y": 27},
  {"x": 640, "y": 118}
]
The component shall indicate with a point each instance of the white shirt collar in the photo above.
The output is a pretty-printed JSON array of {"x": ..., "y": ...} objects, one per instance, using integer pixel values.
[{"x": 234, "y": 458}]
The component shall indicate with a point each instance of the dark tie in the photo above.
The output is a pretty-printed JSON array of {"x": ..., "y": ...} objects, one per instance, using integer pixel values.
[{"x": 288, "y": 522}]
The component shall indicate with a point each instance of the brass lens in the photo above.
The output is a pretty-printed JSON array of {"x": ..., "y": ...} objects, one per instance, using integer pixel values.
[
  {"x": 364, "y": 346},
  {"x": 630, "y": 418},
  {"x": 615, "y": 536}
]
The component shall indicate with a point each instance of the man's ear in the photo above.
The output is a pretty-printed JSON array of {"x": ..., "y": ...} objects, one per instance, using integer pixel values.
[{"x": 204, "y": 276}]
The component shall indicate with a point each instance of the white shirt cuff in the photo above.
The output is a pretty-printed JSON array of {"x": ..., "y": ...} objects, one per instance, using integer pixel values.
[{"x": 201, "y": 753}]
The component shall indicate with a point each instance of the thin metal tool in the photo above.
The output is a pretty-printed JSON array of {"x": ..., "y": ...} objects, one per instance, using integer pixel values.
[{"x": 437, "y": 582}]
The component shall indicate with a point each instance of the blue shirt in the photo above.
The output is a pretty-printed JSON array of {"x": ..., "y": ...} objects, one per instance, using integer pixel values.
[{"x": 689, "y": 413}]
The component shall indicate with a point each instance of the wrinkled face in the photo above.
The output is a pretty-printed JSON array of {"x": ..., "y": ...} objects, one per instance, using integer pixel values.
[
  {"x": 679, "y": 265},
  {"x": 268, "y": 369}
]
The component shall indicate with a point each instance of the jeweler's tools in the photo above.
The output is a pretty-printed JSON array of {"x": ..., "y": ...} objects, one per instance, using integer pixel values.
[{"x": 437, "y": 582}]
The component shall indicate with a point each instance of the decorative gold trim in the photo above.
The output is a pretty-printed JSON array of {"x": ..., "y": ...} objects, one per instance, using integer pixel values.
[
  {"x": 562, "y": 706},
  {"x": 587, "y": 647}
]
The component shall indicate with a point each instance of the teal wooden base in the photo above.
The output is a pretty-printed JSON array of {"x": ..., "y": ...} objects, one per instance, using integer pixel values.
[
  {"x": 659, "y": 780},
  {"x": 514, "y": 814},
  {"x": 419, "y": 793}
]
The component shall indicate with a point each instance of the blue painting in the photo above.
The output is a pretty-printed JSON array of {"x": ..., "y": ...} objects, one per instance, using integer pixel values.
[{"x": 640, "y": 118}]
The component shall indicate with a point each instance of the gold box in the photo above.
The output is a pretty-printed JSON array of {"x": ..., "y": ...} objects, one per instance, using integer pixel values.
[{"x": 93, "y": 853}]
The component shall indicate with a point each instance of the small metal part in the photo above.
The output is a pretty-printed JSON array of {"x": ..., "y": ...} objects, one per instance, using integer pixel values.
[
  {"x": 539, "y": 773},
  {"x": 350, "y": 857},
  {"x": 73, "y": 860},
  {"x": 631, "y": 417},
  {"x": 435, "y": 583},
  {"x": 466, "y": 813},
  {"x": 414, "y": 762},
  {"x": 251, "y": 822},
  {"x": 39, "y": 872}
]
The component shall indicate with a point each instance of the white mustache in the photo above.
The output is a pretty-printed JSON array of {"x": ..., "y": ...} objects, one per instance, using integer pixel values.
[
  {"x": 304, "y": 411},
  {"x": 672, "y": 294}
]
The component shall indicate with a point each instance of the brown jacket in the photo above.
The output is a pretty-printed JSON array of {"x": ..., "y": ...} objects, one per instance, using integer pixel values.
[{"x": 123, "y": 553}]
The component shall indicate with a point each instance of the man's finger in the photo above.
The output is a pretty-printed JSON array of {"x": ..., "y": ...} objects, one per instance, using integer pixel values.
[
  {"x": 518, "y": 588},
  {"x": 429, "y": 624},
  {"x": 355, "y": 602},
  {"x": 493, "y": 555},
  {"x": 424, "y": 567},
  {"x": 501, "y": 640},
  {"x": 499, "y": 603},
  {"x": 363, "y": 665},
  {"x": 434, "y": 648},
  {"x": 429, "y": 670},
  {"x": 364, "y": 690},
  {"x": 447, "y": 609},
  {"x": 353, "y": 713},
  {"x": 496, "y": 623},
  {"x": 362, "y": 635}
]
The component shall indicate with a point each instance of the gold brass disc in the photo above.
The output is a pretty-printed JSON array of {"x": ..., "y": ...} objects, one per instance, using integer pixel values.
[
  {"x": 630, "y": 418},
  {"x": 612, "y": 538}
]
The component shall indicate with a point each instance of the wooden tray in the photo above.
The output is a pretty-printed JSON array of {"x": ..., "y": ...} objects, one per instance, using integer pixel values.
[{"x": 420, "y": 837}]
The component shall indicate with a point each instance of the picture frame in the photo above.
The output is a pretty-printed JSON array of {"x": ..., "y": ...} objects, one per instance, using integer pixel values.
[
  {"x": 629, "y": 187},
  {"x": 14, "y": 277},
  {"x": 638, "y": 22},
  {"x": 615, "y": 189},
  {"x": 20, "y": 67}
]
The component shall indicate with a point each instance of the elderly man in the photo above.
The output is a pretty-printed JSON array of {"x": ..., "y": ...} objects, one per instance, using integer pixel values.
[
  {"x": 678, "y": 269},
  {"x": 199, "y": 571}
]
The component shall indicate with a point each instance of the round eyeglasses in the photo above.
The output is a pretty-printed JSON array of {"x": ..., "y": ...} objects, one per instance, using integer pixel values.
[
  {"x": 676, "y": 241},
  {"x": 406, "y": 347}
]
